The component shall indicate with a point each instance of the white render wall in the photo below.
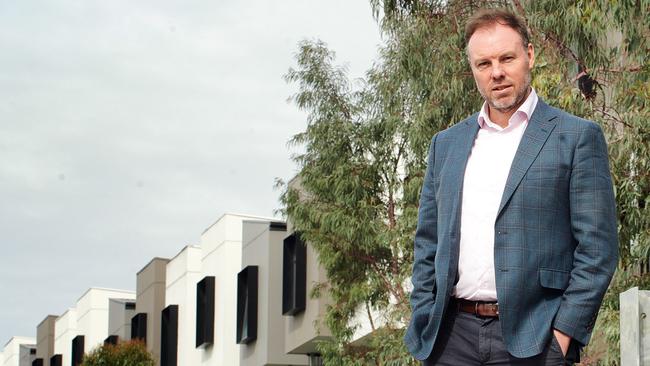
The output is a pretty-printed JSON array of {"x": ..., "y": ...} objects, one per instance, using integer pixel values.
[
  {"x": 92, "y": 315},
  {"x": 263, "y": 247},
  {"x": 65, "y": 329},
  {"x": 363, "y": 327},
  {"x": 183, "y": 273},
  {"x": 119, "y": 318},
  {"x": 89, "y": 318},
  {"x": 26, "y": 355},
  {"x": 221, "y": 245},
  {"x": 11, "y": 350}
]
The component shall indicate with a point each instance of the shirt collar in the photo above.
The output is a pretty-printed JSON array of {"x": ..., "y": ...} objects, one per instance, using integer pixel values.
[{"x": 523, "y": 113}]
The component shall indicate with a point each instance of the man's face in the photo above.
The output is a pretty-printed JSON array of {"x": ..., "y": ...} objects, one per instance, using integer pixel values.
[{"x": 501, "y": 66}]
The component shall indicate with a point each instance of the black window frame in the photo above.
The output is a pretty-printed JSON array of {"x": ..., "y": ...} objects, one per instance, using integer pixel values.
[
  {"x": 77, "y": 354},
  {"x": 139, "y": 327},
  {"x": 247, "y": 288},
  {"x": 112, "y": 340},
  {"x": 37, "y": 362},
  {"x": 56, "y": 360},
  {"x": 205, "y": 312},
  {"x": 294, "y": 275},
  {"x": 169, "y": 336}
]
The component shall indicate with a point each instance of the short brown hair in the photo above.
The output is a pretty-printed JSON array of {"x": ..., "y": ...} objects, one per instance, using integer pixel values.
[{"x": 487, "y": 17}]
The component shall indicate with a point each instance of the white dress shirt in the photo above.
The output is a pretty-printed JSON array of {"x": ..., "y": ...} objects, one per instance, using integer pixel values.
[{"x": 486, "y": 173}]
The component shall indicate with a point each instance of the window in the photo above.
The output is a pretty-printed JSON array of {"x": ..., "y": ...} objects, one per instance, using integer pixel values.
[
  {"x": 111, "y": 339},
  {"x": 139, "y": 327},
  {"x": 277, "y": 226},
  {"x": 247, "y": 305},
  {"x": 294, "y": 275},
  {"x": 169, "y": 336},
  {"x": 77, "y": 350},
  {"x": 205, "y": 312},
  {"x": 315, "y": 359},
  {"x": 37, "y": 362},
  {"x": 56, "y": 360}
]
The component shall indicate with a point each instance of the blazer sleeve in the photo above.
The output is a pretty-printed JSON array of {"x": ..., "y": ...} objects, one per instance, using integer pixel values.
[
  {"x": 425, "y": 245},
  {"x": 594, "y": 227}
]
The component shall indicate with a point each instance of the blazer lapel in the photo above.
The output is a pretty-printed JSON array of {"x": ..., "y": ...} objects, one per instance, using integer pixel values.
[{"x": 537, "y": 131}]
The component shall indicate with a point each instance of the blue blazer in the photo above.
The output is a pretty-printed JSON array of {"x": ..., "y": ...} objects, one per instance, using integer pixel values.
[{"x": 555, "y": 237}]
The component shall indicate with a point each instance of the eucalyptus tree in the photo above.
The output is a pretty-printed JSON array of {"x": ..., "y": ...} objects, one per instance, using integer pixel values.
[{"x": 365, "y": 145}]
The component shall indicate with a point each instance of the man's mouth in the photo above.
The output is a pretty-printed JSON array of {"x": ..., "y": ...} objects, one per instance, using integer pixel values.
[{"x": 500, "y": 87}]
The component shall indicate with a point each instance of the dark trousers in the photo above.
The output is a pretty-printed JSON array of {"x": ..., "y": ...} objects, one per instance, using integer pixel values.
[{"x": 466, "y": 339}]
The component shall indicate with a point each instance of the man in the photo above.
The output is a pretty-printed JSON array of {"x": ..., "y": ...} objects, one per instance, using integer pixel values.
[{"x": 516, "y": 240}]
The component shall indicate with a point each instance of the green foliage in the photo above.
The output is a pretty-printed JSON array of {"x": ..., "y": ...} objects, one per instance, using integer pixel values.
[
  {"x": 131, "y": 353},
  {"x": 365, "y": 144}
]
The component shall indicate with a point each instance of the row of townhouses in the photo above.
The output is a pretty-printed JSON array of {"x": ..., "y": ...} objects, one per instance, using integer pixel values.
[{"x": 240, "y": 297}]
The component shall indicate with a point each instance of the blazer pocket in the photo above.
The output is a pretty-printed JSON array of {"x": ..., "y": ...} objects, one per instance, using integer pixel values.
[
  {"x": 547, "y": 173},
  {"x": 554, "y": 278}
]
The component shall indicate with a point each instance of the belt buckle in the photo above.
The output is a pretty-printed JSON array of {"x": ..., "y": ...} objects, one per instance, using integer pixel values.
[{"x": 493, "y": 307}]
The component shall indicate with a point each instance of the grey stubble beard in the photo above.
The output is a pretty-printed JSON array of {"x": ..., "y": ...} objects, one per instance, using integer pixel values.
[{"x": 520, "y": 97}]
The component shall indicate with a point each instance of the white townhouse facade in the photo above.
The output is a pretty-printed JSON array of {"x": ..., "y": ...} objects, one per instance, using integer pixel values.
[
  {"x": 238, "y": 298},
  {"x": 183, "y": 274},
  {"x": 81, "y": 329},
  {"x": 19, "y": 351}
]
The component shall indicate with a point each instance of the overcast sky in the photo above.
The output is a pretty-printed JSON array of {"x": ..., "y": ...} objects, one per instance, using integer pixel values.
[{"x": 128, "y": 127}]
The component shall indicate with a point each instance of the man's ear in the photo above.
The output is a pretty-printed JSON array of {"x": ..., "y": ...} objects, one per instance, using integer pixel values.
[{"x": 530, "y": 51}]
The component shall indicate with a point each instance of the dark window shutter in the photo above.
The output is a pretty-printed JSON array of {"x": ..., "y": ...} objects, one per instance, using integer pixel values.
[
  {"x": 247, "y": 286},
  {"x": 205, "y": 312}
]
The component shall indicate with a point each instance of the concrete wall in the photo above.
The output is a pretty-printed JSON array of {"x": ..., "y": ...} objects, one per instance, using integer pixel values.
[
  {"x": 635, "y": 327},
  {"x": 45, "y": 339},
  {"x": 183, "y": 273},
  {"x": 65, "y": 329},
  {"x": 119, "y": 318},
  {"x": 150, "y": 299},
  {"x": 92, "y": 314},
  {"x": 12, "y": 350},
  {"x": 262, "y": 247}
]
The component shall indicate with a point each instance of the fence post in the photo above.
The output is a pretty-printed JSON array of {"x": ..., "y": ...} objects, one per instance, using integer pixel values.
[{"x": 635, "y": 327}]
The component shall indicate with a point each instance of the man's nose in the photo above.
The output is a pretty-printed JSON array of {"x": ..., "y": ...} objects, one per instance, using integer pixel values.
[{"x": 497, "y": 71}]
